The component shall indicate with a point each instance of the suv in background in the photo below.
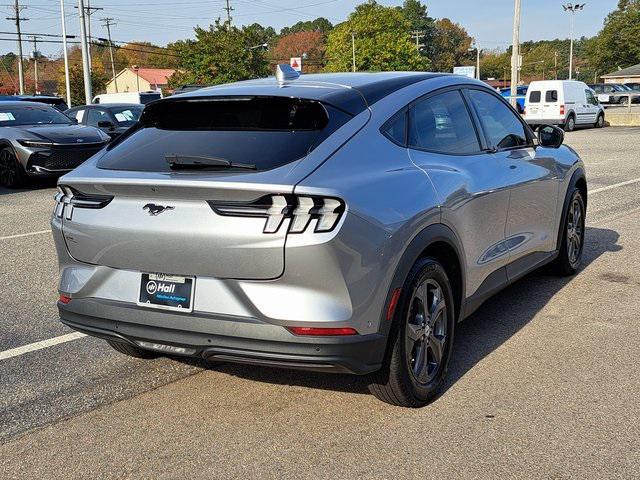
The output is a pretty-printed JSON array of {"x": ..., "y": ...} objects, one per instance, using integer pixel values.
[{"x": 614, "y": 93}]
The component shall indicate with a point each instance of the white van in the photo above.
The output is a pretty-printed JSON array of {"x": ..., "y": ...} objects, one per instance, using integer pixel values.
[
  {"x": 567, "y": 103},
  {"x": 128, "y": 97}
]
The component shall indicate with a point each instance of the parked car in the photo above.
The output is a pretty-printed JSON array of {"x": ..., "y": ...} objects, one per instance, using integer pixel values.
[
  {"x": 614, "y": 93},
  {"x": 113, "y": 119},
  {"x": 567, "y": 103},
  {"x": 521, "y": 93},
  {"x": 336, "y": 224},
  {"x": 56, "y": 102},
  {"x": 37, "y": 140},
  {"x": 128, "y": 97},
  {"x": 633, "y": 86}
]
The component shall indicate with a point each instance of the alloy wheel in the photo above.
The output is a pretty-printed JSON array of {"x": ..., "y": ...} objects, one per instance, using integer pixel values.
[
  {"x": 575, "y": 231},
  {"x": 7, "y": 168},
  {"x": 426, "y": 331}
]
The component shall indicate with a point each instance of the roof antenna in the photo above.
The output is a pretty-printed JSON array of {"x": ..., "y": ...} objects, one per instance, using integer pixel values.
[{"x": 285, "y": 73}]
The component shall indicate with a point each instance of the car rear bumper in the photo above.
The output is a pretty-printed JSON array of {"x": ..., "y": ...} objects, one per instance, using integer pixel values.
[{"x": 212, "y": 337}]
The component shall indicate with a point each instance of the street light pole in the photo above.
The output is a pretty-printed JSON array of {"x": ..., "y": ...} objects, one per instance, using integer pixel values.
[
  {"x": 515, "y": 53},
  {"x": 353, "y": 51},
  {"x": 67, "y": 81},
  {"x": 572, "y": 9},
  {"x": 86, "y": 70}
]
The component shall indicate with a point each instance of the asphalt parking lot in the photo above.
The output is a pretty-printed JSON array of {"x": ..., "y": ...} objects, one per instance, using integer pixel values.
[{"x": 544, "y": 381}]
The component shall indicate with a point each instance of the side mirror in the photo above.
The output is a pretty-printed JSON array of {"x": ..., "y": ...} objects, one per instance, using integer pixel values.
[
  {"x": 550, "y": 136},
  {"x": 105, "y": 124}
]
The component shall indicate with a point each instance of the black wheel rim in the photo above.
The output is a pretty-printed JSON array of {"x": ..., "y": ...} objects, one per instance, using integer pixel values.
[
  {"x": 7, "y": 168},
  {"x": 426, "y": 331},
  {"x": 575, "y": 232}
]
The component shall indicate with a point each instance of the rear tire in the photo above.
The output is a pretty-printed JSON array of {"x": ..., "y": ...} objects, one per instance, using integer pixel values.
[
  {"x": 12, "y": 175},
  {"x": 600, "y": 121},
  {"x": 420, "y": 341},
  {"x": 132, "y": 351},
  {"x": 570, "y": 124},
  {"x": 572, "y": 244}
]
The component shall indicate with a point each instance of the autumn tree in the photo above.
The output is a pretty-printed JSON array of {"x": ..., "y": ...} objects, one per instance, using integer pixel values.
[
  {"x": 310, "y": 44},
  {"x": 382, "y": 41},
  {"x": 451, "y": 44},
  {"x": 76, "y": 80}
]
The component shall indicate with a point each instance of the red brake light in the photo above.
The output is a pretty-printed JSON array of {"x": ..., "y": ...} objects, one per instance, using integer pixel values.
[
  {"x": 561, "y": 109},
  {"x": 64, "y": 299},
  {"x": 322, "y": 332},
  {"x": 393, "y": 303}
]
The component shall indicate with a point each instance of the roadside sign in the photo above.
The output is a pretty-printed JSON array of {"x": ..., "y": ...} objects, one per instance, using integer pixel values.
[
  {"x": 296, "y": 63},
  {"x": 465, "y": 71}
]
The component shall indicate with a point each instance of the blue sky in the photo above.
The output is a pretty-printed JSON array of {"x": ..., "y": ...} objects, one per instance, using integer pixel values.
[{"x": 163, "y": 21}]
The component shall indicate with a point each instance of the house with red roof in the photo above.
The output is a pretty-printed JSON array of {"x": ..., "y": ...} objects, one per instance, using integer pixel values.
[{"x": 134, "y": 79}]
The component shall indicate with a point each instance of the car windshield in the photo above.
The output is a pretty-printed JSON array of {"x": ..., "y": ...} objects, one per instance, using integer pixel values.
[
  {"x": 31, "y": 115},
  {"x": 127, "y": 116}
]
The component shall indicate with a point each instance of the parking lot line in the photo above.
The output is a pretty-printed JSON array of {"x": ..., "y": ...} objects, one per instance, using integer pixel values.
[
  {"x": 16, "y": 352},
  {"x": 615, "y": 185},
  {"x": 39, "y": 232}
]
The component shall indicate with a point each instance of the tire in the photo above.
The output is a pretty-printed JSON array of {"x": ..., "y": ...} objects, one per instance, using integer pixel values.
[
  {"x": 12, "y": 175},
  {"x": 570, "y": 124},
  {"x": 411, "y": 375},
  {"x": 132, "y": 351},
  {"x": 624, "y": 101},
  {"x": 570, "y": 254},
  {"x": 600, "y": 121}
]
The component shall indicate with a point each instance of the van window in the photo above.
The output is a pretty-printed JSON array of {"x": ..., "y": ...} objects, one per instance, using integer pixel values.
[
  {"x": 534, "y": 97},
  {"x": 267, "y": 132},
  {"x": 551, "y": 96}
]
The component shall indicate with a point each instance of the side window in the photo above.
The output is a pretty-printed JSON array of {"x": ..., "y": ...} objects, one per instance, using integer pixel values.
[
  {"x": 551, "y": 96},
  {"x": 502, "y": 128},
  {"x": 442, "y": 124},
  {"x": 77, "y": 114},
  {"x": 94, "y": 116},
  {"x": 534, "y": 97},
  {"x": 395, "y": 129},
  {"x": 591, "y": 99}
]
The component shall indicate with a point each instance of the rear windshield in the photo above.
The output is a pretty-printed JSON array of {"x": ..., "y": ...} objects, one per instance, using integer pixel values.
[
  {"x": 263, "y": 131},
  {"x": 551, "y": 96},
  {"x": 15, "y": 115},
  {"x": 534, "y": 97},
  {"x": 149, "y": 97}
]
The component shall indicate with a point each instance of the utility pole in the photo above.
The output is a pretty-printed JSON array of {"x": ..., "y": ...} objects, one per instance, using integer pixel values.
[
  {"x": 67, "y": 81},
  {"x": 417, "y": 36},
  {"x": 555, "y": 64},
  {"x": 108, "y": 22},
  {"x": 229, "y": 9},
  {"x": 476, "y": 47},
  {"x": 353, "y": 51},
  {"x": 515, "y": 53},
  {"x": 35, "y": 64},
  {"x": 86, "y": 69},
  {"x": 18, "y": 19},
  {"x": 89, "y": 10},
  {"x": 572, "y": 9}
]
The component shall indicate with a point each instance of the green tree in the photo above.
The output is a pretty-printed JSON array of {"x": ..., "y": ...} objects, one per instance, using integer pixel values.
[
  {"x": 221, "y": 54},
  {"x": 451, "y": 46},
  {"x": 76, "y": 80},
  {"x": 382, "y": 41},
  {"x": 421, "y": 24},
  {"x": 618, "y": 43},
  {"x": 320, "y": 24}
]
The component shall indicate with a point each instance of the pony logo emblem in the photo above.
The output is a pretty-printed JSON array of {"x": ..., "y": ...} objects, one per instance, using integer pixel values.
[{"x": 155, "y": 210}]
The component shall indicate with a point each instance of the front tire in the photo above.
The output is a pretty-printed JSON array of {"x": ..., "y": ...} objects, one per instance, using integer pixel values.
[
  {"x": 132, "y": 351},
  {"x": 421, "y": 339},
  {"x": 12, "y": 175},
  {"x": 572, "y": 244}
]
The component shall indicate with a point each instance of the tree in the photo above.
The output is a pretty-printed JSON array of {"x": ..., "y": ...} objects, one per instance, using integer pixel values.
[
  {"x": 143, "y": 54},
  {"x": 617, "y": 45},
  {"x": 76, "y": 80},
  {"x": 310, "y": 44},
  {"x": 320, "y": 24},
  {"x": 221, "y": 54},
  {"x": 382, "y": 41},
  {"x": 421, "y": 24},
  {"x": 451, "y": 45}
]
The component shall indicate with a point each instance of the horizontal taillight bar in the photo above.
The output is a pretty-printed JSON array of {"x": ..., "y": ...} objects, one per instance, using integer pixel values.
[
  {"x": 301, "y": 209},
  {"x": 322, "y": 332},
  {"x": 68, "y": 198}
]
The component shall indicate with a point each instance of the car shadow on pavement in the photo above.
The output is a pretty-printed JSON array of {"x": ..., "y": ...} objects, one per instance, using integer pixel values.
[{"x": 493, "y": 324}]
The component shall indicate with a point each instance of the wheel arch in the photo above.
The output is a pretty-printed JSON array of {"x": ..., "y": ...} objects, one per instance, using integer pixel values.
[{"x": 578, "y": 180}]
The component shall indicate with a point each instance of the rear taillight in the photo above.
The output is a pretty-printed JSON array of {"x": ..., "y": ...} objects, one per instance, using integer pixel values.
[
  {"x": 322, "y": 332},
  {"x": 561, "y": 109},
  {"x": 64, "y": 299},
  {"x": 67, "y": 199},
  {"x": 301, "y": 209}
]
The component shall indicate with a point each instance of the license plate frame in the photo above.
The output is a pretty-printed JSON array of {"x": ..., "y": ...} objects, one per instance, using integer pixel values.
[{"x": 166, "y": 292}]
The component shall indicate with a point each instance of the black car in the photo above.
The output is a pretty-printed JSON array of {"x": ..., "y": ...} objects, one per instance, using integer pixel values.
[
  {"x": 56, "y": 102},
  {"x": 112, "y": 118}
]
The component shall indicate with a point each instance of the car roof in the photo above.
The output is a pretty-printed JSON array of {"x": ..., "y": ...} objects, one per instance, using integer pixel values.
[
  {"x": 108, "y": 105},
  {"x": 23, "y": 103},
  {"x": 351, "y": 92}
]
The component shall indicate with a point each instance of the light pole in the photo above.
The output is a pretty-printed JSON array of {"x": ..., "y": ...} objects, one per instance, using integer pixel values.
[
  {"x": 353, "y": 51},
  {"x": 572, "y": 9},
  {"x": 86, "y": 67},
  {"x": 515, "y": 53},
  {"x": 477, "y": 49},
  {"x": 67, "y": 81}
]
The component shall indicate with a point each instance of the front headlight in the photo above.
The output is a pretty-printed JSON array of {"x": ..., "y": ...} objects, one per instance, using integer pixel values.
[{"x": 35, "y": 143}]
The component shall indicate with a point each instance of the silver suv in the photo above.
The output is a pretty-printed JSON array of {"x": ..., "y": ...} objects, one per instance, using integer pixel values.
[{"x": 336, "y": 222}]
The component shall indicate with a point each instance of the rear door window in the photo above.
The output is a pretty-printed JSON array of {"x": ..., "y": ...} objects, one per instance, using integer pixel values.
[
  {"x": 267, "y": 132},
  {"x": 551, "y": 96},
  {"x": 534, "y": 97},
  {"x": 502, "y": 127}
]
